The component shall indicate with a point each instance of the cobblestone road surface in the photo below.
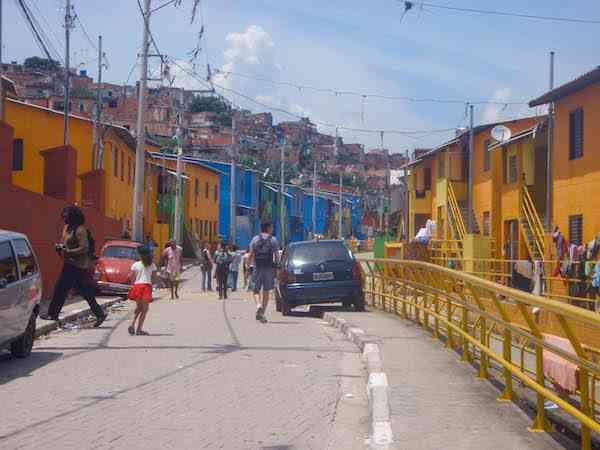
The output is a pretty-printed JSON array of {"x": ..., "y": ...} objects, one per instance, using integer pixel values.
[{"x": 209, "y": 376}]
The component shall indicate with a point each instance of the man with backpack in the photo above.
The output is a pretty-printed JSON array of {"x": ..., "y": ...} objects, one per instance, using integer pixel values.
[
  {"x": 263, "y": 251},
  {"x": 78, "y": 251},
  {"x": 222, "y": 261},
  {"x": 206, "y": 265}
]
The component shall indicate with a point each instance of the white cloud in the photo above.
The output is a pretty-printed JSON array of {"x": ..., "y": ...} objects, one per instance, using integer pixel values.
[{"x": 494, "y": 112}]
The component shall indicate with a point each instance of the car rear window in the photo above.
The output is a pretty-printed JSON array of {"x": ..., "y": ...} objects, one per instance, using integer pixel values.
[
  {"x": 8, "y": 265},
  {"x": 319, "y": 253},
  {"x": 120, "y": 252},
  {"x": 27, "y": 264}
]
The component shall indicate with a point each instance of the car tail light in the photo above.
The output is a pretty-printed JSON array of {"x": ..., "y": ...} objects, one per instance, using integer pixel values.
[{"x": 356, "y": 271}]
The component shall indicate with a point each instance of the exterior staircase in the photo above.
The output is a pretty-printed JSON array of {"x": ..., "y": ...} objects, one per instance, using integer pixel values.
[
  {"x": 464, "y": 210},
  {"x": 530, "y": 224}
]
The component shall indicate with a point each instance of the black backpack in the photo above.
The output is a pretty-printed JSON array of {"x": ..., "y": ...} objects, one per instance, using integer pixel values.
[{"x": 263, "y": 252}]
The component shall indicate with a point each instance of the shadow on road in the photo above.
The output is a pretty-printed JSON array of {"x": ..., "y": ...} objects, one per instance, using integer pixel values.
[
  {"x": 13, "y": 368},
  {"x": 317, "y": 311}
]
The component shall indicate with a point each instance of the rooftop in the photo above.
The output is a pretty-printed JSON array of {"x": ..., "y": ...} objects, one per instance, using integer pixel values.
[{"x": 569, "y": 88}]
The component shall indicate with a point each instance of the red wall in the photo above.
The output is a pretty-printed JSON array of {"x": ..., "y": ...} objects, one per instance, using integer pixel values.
[{"x": 38, "y": 216}]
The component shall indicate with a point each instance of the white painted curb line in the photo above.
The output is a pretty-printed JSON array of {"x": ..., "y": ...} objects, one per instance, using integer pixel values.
[{"x": 377, "y": 385}]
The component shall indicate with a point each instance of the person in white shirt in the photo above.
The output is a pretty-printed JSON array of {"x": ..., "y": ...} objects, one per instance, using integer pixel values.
[{"x": 142, "y": 276}]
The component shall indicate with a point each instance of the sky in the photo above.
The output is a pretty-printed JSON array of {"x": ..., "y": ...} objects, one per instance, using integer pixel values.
[{"x": 364, "y": 47}]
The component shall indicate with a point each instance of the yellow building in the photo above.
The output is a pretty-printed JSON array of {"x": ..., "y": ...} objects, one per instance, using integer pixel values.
[
  {"x": 42, "y": 164},
  {"x": 201, "y": 201},
  {"x": 575, "y": 160}
]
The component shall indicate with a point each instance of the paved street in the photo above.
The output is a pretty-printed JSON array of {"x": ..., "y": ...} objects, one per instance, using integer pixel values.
[{"x": 209, "y": 376}]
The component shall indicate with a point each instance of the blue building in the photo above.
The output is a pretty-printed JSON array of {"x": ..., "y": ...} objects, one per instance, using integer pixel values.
[{"x": 247, "y": 202}]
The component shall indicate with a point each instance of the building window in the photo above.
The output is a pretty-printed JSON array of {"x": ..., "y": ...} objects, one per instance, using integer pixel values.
[
  {"x": 206, "y": 189},
  {"x": 486, "y": 155},
  {"x": 576, "y": 134},
  {"x": 427, "y": 178},
  {"x": 486, "y": 223},
  {"x": 116, "y": 163},
  {"x": 510, "y": 168},
  {"x": 122, "y": 166},
  {"x": 196, "y": 191},
  {"x": 17, "y": 162},
  {"x": 81, "y": 108},
  {"x": 576, "y": 229},
  {"x": 442, "y": 165},
  {"x": 129, "y": 171},
  {"x": 216, "y": 193}
]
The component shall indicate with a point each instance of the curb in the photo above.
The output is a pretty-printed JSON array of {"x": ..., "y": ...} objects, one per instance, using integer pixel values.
[
  {"x": 73, "y": 316},
  {"x": 377, "y": 385}
]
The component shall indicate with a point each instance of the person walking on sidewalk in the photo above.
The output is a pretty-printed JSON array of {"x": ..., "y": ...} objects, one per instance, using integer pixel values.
[
  {"x": 222, "y": 260},
  {"x": 142, "y": 276},
  {"x": 206, "y": 266},
  {"x": 75, "y": 249},
  {"x": 247, "y": 265},
  {"x": 263, "y": 250},
  {"x": 172, "y": 260},
  {"x": 234, "y": 269}
]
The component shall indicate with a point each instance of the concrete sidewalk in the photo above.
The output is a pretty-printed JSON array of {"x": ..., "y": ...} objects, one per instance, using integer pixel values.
[{"x": 435, "y": 400}]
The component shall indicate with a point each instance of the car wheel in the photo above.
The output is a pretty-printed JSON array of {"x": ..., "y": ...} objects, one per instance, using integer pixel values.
[
  {"x": 286, "y": 310},
  {"x": 359, "y": 303},
  {"x": 347, "y": 304},
  {"x": 277, "y": 301},
  {"x": 21, "y": 348}
]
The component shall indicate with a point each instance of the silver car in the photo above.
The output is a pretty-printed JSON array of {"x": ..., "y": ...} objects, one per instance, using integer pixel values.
[{"x": 20, "y": 293}]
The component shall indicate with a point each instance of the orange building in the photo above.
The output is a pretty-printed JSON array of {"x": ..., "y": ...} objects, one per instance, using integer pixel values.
[
  {"x": 575, "y": 161},
  {"x": 201, "y": 194},
  {"x": 41, "y": 162}
]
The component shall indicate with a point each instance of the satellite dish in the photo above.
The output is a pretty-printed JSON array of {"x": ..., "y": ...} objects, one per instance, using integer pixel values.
[{"x": 501, "y": 133}]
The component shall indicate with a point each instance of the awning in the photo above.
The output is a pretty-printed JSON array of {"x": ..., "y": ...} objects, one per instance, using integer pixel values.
[{"x": 519, "y": 136}]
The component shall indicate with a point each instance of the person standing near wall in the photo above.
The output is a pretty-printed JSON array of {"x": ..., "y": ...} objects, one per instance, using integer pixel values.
[{"x": 75, "y": 250}]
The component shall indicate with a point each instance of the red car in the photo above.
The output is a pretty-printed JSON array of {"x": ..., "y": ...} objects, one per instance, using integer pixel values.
[{"x": 113, "y": 266}]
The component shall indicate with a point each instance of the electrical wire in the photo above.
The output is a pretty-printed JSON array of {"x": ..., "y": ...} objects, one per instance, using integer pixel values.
[
  {"x": 506, "y": 13},
  {"x": 199, "y": 78},
  {"x": 337, "y": 92}
]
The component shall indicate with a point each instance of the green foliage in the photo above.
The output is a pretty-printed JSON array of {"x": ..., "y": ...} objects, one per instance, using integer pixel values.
[
  {"x": 216, "y": 105},
  {"x": 42, "y": 64}
]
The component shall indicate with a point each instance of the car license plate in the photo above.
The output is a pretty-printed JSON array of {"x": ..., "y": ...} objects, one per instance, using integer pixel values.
[{"x": 323, "y": 276}]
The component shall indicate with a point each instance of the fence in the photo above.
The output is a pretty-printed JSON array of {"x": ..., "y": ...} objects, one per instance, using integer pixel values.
[{"x": 490, "y": 324}]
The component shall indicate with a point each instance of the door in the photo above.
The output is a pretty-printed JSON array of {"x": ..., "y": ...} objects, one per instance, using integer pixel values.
[{"x": 10, "y": 292}]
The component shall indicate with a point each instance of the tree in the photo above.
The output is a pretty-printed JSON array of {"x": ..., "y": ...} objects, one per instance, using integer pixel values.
[{"x": 42, "y": 64}]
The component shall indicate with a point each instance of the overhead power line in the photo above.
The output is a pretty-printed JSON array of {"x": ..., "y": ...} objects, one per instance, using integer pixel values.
[
  {"x": 365, "y": 95},
  {"x": 409, "y": 5},
  {"x": 407, "y": 133}
]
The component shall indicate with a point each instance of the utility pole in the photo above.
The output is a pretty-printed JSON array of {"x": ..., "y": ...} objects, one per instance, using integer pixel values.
[
  {"x": 282, "y": 193},
  {"x": 68, "y": 24},
  {"x": 470, "y": 174},
  {"x": 232, "y": 184},
  {"x": 98, "y": 144},
  {"x": 549, "y": 157},
  {"x": 314, "y": 199},
  {"x": 178, "y": 187},
  {"x": 406, "y": 200},
  {"x": 340, "y": 218},
  {"x": 1, "y": 83},
  {"x": 138, "y": 191}
]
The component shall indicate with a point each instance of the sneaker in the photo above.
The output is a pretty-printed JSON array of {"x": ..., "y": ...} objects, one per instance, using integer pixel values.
[
  {"x": 259, "y": 314},
  {"x": 100, "y": 320},
  {"x": 48, "y": 317},
  {"x": 263, "y": 319}
]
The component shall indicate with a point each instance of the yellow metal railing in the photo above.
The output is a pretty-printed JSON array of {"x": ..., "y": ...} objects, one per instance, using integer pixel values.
[
  {"x": 457, "y": 218},
  {"x": 486, "y": 321},
  {"x": 531, "y": 216}
]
